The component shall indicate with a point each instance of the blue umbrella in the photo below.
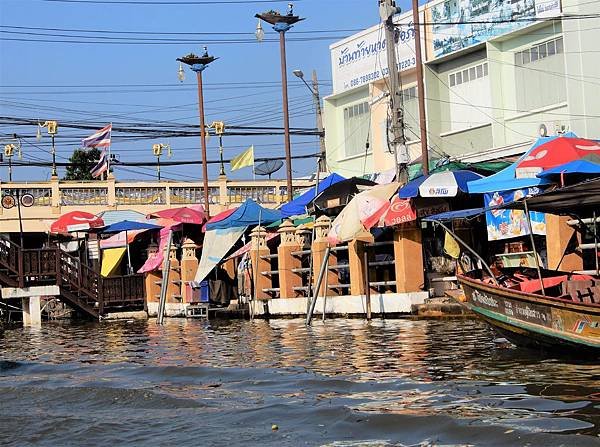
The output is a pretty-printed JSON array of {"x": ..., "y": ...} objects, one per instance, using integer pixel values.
[
  {"x": 439, "y": 184},
  {"x": 581, "y": 166},
  {"x": 128, "y": 225}
]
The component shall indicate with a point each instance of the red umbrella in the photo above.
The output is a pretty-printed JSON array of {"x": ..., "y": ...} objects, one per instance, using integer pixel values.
[
  {"x": 219, "y": 217},
  {"x": 76, "y": 221},
  {"x": 558, "y": 151},
  {"x": 182, "y": 215}
]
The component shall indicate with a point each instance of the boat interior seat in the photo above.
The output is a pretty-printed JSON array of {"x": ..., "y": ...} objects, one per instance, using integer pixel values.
[{"x": 582, "y": 291}]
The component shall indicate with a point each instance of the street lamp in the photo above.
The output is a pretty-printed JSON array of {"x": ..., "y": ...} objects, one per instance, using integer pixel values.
[
  {"x": 281, "y": 24},
  {"x": 157, "y": 150},
  {"x": 9, "y": 152},
  {"x": 219, "y": 127},
  {"x": 198, "y": 64},
  {"x": 52, "y": 127},
  {"x": 317, "y": 100}
]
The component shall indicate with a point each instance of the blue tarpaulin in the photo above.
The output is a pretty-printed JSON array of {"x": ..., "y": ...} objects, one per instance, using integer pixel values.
[
  {"x": 506, "y": 179},
  {"x": 297, "y": 207},
  {"x": 248, "y": 214},
  {"x": 451, "y": 215},
  {"x": 581, "y": 166}
]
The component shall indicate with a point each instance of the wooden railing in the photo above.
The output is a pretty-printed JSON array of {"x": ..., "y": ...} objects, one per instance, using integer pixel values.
[{"x": 79, "y": 284}]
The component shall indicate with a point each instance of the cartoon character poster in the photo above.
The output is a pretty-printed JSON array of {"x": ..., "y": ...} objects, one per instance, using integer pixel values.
[{"x": 506, "y": 224}]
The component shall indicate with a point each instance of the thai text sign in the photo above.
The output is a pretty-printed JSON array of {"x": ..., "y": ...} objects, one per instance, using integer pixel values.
[
  {"x": 458, "y": 24},
  {"x": 506, "y": 224},
  {"x": 361, "y": 59}
]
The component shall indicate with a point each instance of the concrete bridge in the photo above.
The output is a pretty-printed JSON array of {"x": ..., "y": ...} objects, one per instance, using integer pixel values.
[{"x": 56, "y": 197}]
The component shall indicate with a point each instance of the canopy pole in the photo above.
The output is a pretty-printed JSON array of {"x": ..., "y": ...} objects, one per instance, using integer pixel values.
[
  {"x": 255, "y": 273},
  {"x": 313, "y": 301},
  {"x": 596, "y": 244},
  {"x": 473, "y": 252},
  {"x": 129, "y": 269},
  {"x": 533, "y": 247},
  {"x": 310, "y": 261},
  {"x": 367, "y": 283},
  {"x": 326, "y": 289},
  {"x": 165, "y": 280}
]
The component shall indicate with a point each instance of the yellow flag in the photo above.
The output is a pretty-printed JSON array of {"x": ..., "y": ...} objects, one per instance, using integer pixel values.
[
  {"x": 243, "y": 160},
  {"x": 451, "y": 246}
]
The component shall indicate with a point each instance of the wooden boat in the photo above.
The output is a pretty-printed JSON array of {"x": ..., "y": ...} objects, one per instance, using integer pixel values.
[
  {"x": 566, "y": 318},
  {"x": 547, "y": 309}
]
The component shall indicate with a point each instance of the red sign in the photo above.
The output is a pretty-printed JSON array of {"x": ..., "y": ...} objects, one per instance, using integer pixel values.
[{"x": 400, "y": 211}]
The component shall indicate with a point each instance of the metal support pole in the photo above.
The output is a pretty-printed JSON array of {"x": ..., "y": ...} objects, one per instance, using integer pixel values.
[
  {"x": 286, "y": 116},
  {"x": 310, "y": 261},
  {"x": 596, "y": 244},
  {"x": 10, "y": 169},
  {"x": 165, "y": 280},
  {"x": 18, "y": 194},
  {"x": 222, "y": 172},
  {"x": 53, "y": 157},
  {"x": 367, "y": 283},
  {"x": 203, "y": 142},
  {"x": 535, "y": 253},
  {"x": 313, "y": 301},
  {"x": 158, "y": 167},
  {"x": 420, "y": 88},
  {"x": 319, "y": 112}
]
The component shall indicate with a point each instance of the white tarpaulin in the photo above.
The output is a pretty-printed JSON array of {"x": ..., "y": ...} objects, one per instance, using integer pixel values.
[{"x": 217, "y": 244}]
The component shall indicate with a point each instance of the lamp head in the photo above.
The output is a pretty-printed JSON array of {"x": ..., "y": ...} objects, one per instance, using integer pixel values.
[
  {"x": 260, "y": 33},
  {"x": 298, "y": 73}
]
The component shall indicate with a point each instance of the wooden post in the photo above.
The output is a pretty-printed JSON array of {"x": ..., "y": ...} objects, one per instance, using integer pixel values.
[
  {"x": 367, "y": 283},
  {"x": 152, "y": 279},
  {"x": 286, "y": 262},
  {"x": 189, "y": 266},
  {"x": 356, "y": 254},
  {"x": 558, "y": 236},
  {"x": 258, "y": 249},
  {"x": 408, "y": 255},
  {"x": 319, "y": 248}
]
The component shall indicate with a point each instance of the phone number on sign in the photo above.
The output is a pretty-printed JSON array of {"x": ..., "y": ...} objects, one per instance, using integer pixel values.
[{"x": 373, "y": 76}]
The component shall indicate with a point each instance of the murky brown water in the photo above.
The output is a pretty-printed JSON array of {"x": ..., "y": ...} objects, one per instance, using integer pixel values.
[{"x": 400, "y": 383}]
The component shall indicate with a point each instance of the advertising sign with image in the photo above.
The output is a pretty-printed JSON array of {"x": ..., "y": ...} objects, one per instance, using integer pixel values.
[
  {"x": 506, "y": 224},
  {"x": 458, "y": 24},
  {"x": 361, "y": 58}
]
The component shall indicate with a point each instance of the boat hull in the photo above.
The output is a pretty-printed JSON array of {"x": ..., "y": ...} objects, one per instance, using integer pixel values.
[{"x": 534, "y": 320}]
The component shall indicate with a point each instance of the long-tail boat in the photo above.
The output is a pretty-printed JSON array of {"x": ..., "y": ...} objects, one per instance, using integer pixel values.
[{"x": 553, "y": 310}]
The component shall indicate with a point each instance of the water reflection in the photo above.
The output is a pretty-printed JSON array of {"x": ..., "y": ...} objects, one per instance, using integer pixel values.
[{"x": 400, "y": 368}]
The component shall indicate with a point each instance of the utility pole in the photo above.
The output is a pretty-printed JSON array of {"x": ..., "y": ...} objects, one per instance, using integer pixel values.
[
  {"x": 420, "y": 88},
  {"x": 319, "y": 112},
  {"x": 387, "y": 10}
]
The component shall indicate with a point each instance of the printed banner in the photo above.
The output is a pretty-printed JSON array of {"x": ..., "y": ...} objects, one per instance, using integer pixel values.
[
  {"x": 464, "y": 23},
  {"x": 506, "y": 224}
]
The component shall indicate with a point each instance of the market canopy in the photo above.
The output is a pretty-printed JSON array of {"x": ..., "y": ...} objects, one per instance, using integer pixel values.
[
  {"x": 440, "y": 184},
  {"x": 186, "y": 215},
  {"x": 452, "y": 215},
  {"x": 248, "y": 214},
  {"x": 506, "y": 179},
  {"x": 577, "y": 167},
  {"x": 337, "y": 196},
  {"x": 556, "y": 152},
  {"x": 297, "y": 207},
  {"x": 128, "y": 225},
  {"x": 75, "y": 221}
]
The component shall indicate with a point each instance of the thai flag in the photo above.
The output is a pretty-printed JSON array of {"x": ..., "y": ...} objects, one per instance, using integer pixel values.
[
  {"x": 102, "y": 165},
  {"x": 99, "y": 139}
]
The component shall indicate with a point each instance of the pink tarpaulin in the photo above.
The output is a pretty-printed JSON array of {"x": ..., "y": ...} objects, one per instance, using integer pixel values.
[
  {"x": 246, "y": 248},
  {"x": 154, "y": 261}
]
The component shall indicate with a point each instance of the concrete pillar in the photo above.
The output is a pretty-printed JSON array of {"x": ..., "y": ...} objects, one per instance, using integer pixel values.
[
  {"x": 286, "y": 261},
  {"x": 55, "y": 198},
  {"x": 558, "y": 235},
  {"x": 189, "y": 266},
  {"x": 152, "y": 279},
  {"x": 32, "y": 312},
  {"x": 111, "y": 195},
  {"x": 356, "y": 250},
  {"x": 408, "y": 254},
  {"x": 319, "y": 246},
  {"x": 174, "y": 287},
  {"x": 223, "y": 196},
  {"x": 258, "y": 249}
]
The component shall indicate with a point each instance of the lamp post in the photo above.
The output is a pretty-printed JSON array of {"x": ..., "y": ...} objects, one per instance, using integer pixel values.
[
  {"x": 282, "y": 24},
  {"x": 219, "y": 127},
  {"x": 157, "y": 150},
  {"x": 52, "y": 127},
  {"x": 198, "y": 64},
  {"x": 317, "y": 100},
  {"x": 9, "y": 152}
]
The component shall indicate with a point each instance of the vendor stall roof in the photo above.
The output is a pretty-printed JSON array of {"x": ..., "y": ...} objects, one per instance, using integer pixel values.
[
  {"x": 459, "y": 214},
  {"x": 248, "y": 214},
  {"x": 297, "y": 207},
  {"x": 577, "y": 167},
  {"x": 506, "y": 179},
  {"x": 571, "y": 200}
]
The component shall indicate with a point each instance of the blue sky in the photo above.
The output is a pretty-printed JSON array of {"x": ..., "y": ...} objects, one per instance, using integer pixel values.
[{"x": 101, "y": 83}]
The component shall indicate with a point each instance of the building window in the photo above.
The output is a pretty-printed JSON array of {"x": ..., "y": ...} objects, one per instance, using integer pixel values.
[
  {"x": 468, "y": 74},
  {"x": 539, "y": 51},
  {"x": 356, "y": 128}
]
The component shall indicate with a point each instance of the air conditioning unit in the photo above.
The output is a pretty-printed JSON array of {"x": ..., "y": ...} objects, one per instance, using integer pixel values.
[{"x": 550, "y": 128}]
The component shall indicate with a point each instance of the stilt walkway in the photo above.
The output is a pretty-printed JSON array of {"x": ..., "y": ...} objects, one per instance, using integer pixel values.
[{"x": 80, "y": 286}]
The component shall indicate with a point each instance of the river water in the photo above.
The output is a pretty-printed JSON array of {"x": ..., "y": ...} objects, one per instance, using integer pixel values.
[{"x": 341, "y": 383}]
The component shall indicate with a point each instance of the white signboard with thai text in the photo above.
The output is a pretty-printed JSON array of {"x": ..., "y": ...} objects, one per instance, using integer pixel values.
[{"x": 362, "y": 59}]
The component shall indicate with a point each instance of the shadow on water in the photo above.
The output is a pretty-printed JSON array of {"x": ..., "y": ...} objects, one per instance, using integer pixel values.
[{"x": 344, "y": 382}]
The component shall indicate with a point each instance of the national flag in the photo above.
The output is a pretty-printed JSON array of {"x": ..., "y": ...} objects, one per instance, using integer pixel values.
[
  {"x": 102, "y": 165},
  {"x": 243, "y": 160},
  {"x": 99, "y": 139}
]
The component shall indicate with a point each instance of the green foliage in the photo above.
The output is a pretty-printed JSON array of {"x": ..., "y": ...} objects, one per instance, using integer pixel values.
[{"x": 81, "y": 162}]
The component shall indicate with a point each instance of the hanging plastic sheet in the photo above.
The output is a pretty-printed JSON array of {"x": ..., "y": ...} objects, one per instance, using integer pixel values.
[{"x": 111, "y": 259}]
